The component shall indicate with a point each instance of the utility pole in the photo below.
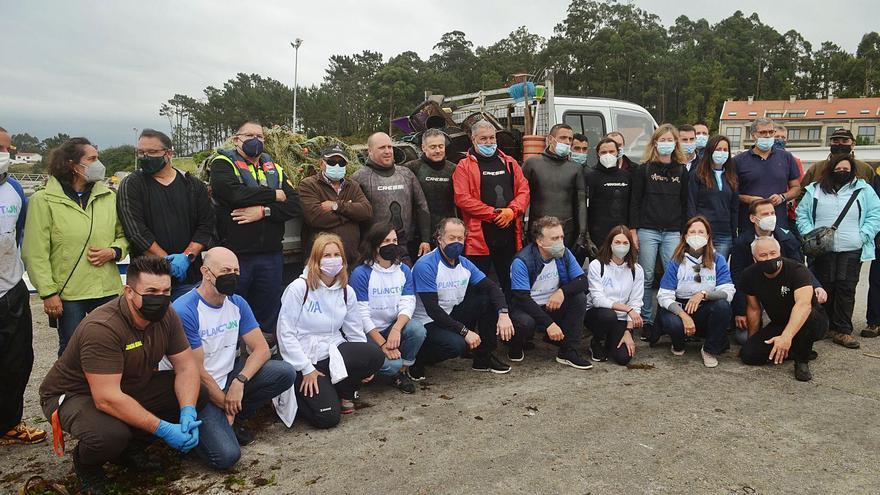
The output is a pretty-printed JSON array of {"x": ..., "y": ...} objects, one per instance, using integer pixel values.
[
  {"x": 135, "y": 129},
  {"x": 295, "y": 46}
]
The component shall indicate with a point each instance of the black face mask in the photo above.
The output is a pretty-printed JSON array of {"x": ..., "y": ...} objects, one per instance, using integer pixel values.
[
  {"x": 226, "y": 284},
  {"x": 841, "y": 177},
  {"x": 841, "y": 149},
  {"x": 153, "y": 306},
  {"x": 770, "y": 266},
  {"x": 389, "y": 252},
  {"x": 151, "y": 164}
]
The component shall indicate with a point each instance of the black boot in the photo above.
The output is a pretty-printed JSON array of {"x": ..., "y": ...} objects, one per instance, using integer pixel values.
[
  {"x": 92, "y": 479},
  {"x": 802, "y": 371}
]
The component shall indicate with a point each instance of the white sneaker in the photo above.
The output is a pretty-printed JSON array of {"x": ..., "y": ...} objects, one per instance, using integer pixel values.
[
  {"x": 676, "y": 353},
  {"x": 709, "y": 360}
]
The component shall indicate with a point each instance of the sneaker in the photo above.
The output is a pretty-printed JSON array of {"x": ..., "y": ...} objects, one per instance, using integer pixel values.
[
  {"x": 573, "y": 359},
  {"x": 515, "y": 353},
  {"x": 403, "y": 383},
  {"x": 243, "y": 436},
  {"x": 677, "y": 352},
  {"x": 597, "y": 351},
  {"x": 346, "y": 406},
  {"x": 802, "y": 371},
  {"x": 871, "y": 331},
  {"x": 416, "y": 373},
  {"x": 490, "y": 363},
  {"x": 709, "y": 360},
  {"x": 92, "y": 479},
  {"x": 22, "y": 434},
  {"x": 845, "y": 340}
]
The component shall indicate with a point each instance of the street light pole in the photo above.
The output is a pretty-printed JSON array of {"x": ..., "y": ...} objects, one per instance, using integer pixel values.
[
  {"x": 295, "y": 46},
  {"x": 135, "y": 129}
]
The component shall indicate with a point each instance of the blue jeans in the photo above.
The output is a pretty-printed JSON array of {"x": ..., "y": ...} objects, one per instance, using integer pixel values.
[
  {"x": 178, "y": 290},
  {"x": 723, "y": 244},
  {"x": 72, "y": 313},
  {"x": 260, "y": 284},
  {"x": 711, "y": 319},
  {"x": 652, "y": 242},
  {"x": 411, "y": 339},
  {"x": 217, "y": 443}
]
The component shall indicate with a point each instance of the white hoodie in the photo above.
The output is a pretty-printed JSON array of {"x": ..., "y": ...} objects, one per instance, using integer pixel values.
[
  {"x": 310, "y": 332},
  {"x": 619, "y": 284}
]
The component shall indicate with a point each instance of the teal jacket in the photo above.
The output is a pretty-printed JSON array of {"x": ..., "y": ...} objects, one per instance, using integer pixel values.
[{"x": 859, "y": 226}]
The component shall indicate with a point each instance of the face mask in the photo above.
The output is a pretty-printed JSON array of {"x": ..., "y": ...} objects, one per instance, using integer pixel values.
[
  {"x": 621, "y": 152},
  {"x": 153, "y": 306},
  {"x": 579, "y": 158},
  {"x": 94, "y": 171},
  {"x": 335, "y": 172},
  {"x": 226, "y": 284},
  {"x": 453, "y": 250},
  {"x": 764, "y": 143},
  {"x": 562, "y": 149},
  {"x": 689, "y": 148},
  {"x": 608, "y": 160},
  {"x": 151, "y": 164},
  {"x": 767, "y": 224},
  {"x": 720, "y": 157},
  {"x": 770, "y": 266},
  {"x": 487, "y": 149},
  {"x": 253, "y": 147},
  {"x": 701, "y": 141},
  {"x": 389, "y": 252},
  {"x": 841, "y": 177},
  {"x": 555, "y": 250},
  {"x": 778, "y": 144},
  {"x": 331, "y": 267},
  {"x": 620, "y": 250},
  {"x": 4, "y": 162},
  {"x": 665, "y": 148},
  {"x": 697, "y": 242},
  {"x": 841, "y": 149}
]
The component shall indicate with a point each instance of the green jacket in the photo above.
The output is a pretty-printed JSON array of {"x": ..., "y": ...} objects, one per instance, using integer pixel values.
[{"x": 55, "y": 232}]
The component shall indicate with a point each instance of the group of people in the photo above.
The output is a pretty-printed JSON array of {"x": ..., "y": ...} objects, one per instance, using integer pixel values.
[{"x": 407, "y": 266}]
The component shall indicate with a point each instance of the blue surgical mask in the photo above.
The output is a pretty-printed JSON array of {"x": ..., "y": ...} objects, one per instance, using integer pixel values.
[
  {"x": 579, "y": 158},
  {"x": 562, "y": 149},
  {"x": 665, "y": 148},
  {"x": 720, "y": 157},
  {"x": 701, "y": 141},
  {"x": 764, "y": 143},
  {"x": 621, "y": 153},
  {"x": 453, "y": 250},
  {"x": 689, "y": 148},
  {"x": 778, "y": 144},
  {"x": 335, "y": 172},
  {"x": 487, "y": 149}
]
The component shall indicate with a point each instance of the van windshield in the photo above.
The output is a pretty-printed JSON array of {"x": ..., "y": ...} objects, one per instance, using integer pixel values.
[{"x": 636, "y": 129}]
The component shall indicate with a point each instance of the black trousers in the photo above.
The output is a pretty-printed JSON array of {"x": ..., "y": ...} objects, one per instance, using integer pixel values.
[
  {"x": 569, "y": 317},
  {"x": 756, "y": 351},
  {"x": 873, "y": 312},
  {"x": 500, "y": 258},
  {"x": 607, "y": 331},
  {"x": 477, "y": 314},
  {"x": 322, "y": 410},
  {"x": 16, "y": 353},
  {"x": 839, "y": 275}
]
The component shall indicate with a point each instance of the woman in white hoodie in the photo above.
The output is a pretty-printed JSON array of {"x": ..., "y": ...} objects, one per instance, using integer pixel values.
[
  {"x": 320, "y": 333},
  {"x": 617, "y": 285}
]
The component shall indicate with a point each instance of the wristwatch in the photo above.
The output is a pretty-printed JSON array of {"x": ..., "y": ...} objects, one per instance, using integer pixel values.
[
  {"x": 267, "y": 211},
  {"x": 503, "y": 311},
  {"x": 243, "y": 379},
  {"x": 335, "y": 206}
]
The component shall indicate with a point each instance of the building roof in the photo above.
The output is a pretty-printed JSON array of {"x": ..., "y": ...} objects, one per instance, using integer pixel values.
[
  {"x": 826, "y": 108},
  {"x": 26, "y": 153}
]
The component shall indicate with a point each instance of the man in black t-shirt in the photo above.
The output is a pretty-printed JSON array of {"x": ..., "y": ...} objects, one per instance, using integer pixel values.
[{"x": 784, "y": 288}]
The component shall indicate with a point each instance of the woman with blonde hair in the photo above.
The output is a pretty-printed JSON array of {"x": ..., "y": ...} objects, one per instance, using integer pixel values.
[
  {"x": 658, "y": 208},
  {"x": 320, "y": 333}
]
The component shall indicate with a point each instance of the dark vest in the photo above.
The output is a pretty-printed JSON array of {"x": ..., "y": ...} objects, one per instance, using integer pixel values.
[
  {"x": 531, "y": 257},
  {"x": 266, "y": 174}
]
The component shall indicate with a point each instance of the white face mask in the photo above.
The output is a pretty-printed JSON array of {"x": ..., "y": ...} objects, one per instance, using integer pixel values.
[
  {"x": 608, "y": 160},
  {"x": 697, "y": 242},
  {"x": 5, "y": 161},
  {"x": 767, "y": 224},
  {"x": 620, "y": 250}
]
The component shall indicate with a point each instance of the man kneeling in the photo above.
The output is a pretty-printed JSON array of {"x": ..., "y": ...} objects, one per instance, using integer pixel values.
[
  {"x": 784, "y": 288},
  {"x": 104, "y": 391},
  {"x": 214, "y": 318}
]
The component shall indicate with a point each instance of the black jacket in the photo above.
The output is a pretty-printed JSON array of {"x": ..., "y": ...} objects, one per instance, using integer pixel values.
[
  {"x": 608, "y": 198},
  {"x": 659, "y": 197}
]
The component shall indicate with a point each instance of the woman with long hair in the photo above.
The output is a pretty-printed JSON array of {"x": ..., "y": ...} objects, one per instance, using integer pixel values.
[
  {"x": 695, "y": 294},
  {"x": 616, "y": 283},
  {"x": 320, "y": 333},
  {"x": 386, "y": 300},
  {"x": 712, "y": 193}
]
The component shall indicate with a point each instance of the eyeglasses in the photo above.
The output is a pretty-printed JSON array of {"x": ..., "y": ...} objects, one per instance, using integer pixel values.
[
  {"x": 767, "y": 133},
  {"x": 151, "y": 153},
  {"x": 245, "y": 137},
  {"x": 697, "y": 278}
]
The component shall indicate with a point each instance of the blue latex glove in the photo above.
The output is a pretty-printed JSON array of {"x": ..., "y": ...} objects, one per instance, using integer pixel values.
[
  {"x": 179, "y": 265},
  {"x": 173, "y": 435},
  {"x": 188, "y": 419}
]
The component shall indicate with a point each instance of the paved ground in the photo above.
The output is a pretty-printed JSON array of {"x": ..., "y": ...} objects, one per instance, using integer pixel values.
[{"x": 543, "y": 428}]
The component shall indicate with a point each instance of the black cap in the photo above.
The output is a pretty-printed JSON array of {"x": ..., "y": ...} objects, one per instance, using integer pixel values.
[
  {"x": 334, "y": 150},
  {"x": 842, "y": 133}
]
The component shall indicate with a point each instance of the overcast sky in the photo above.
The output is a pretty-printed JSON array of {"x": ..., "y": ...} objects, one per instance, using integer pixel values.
[{"x": 101, "y": 68}]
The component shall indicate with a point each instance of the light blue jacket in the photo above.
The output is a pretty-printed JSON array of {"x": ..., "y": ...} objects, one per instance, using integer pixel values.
[{"x": 859, "y": 226}]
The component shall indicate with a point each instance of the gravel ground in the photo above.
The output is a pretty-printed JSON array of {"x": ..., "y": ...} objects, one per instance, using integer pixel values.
[{"x": 544, "y": 428}]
